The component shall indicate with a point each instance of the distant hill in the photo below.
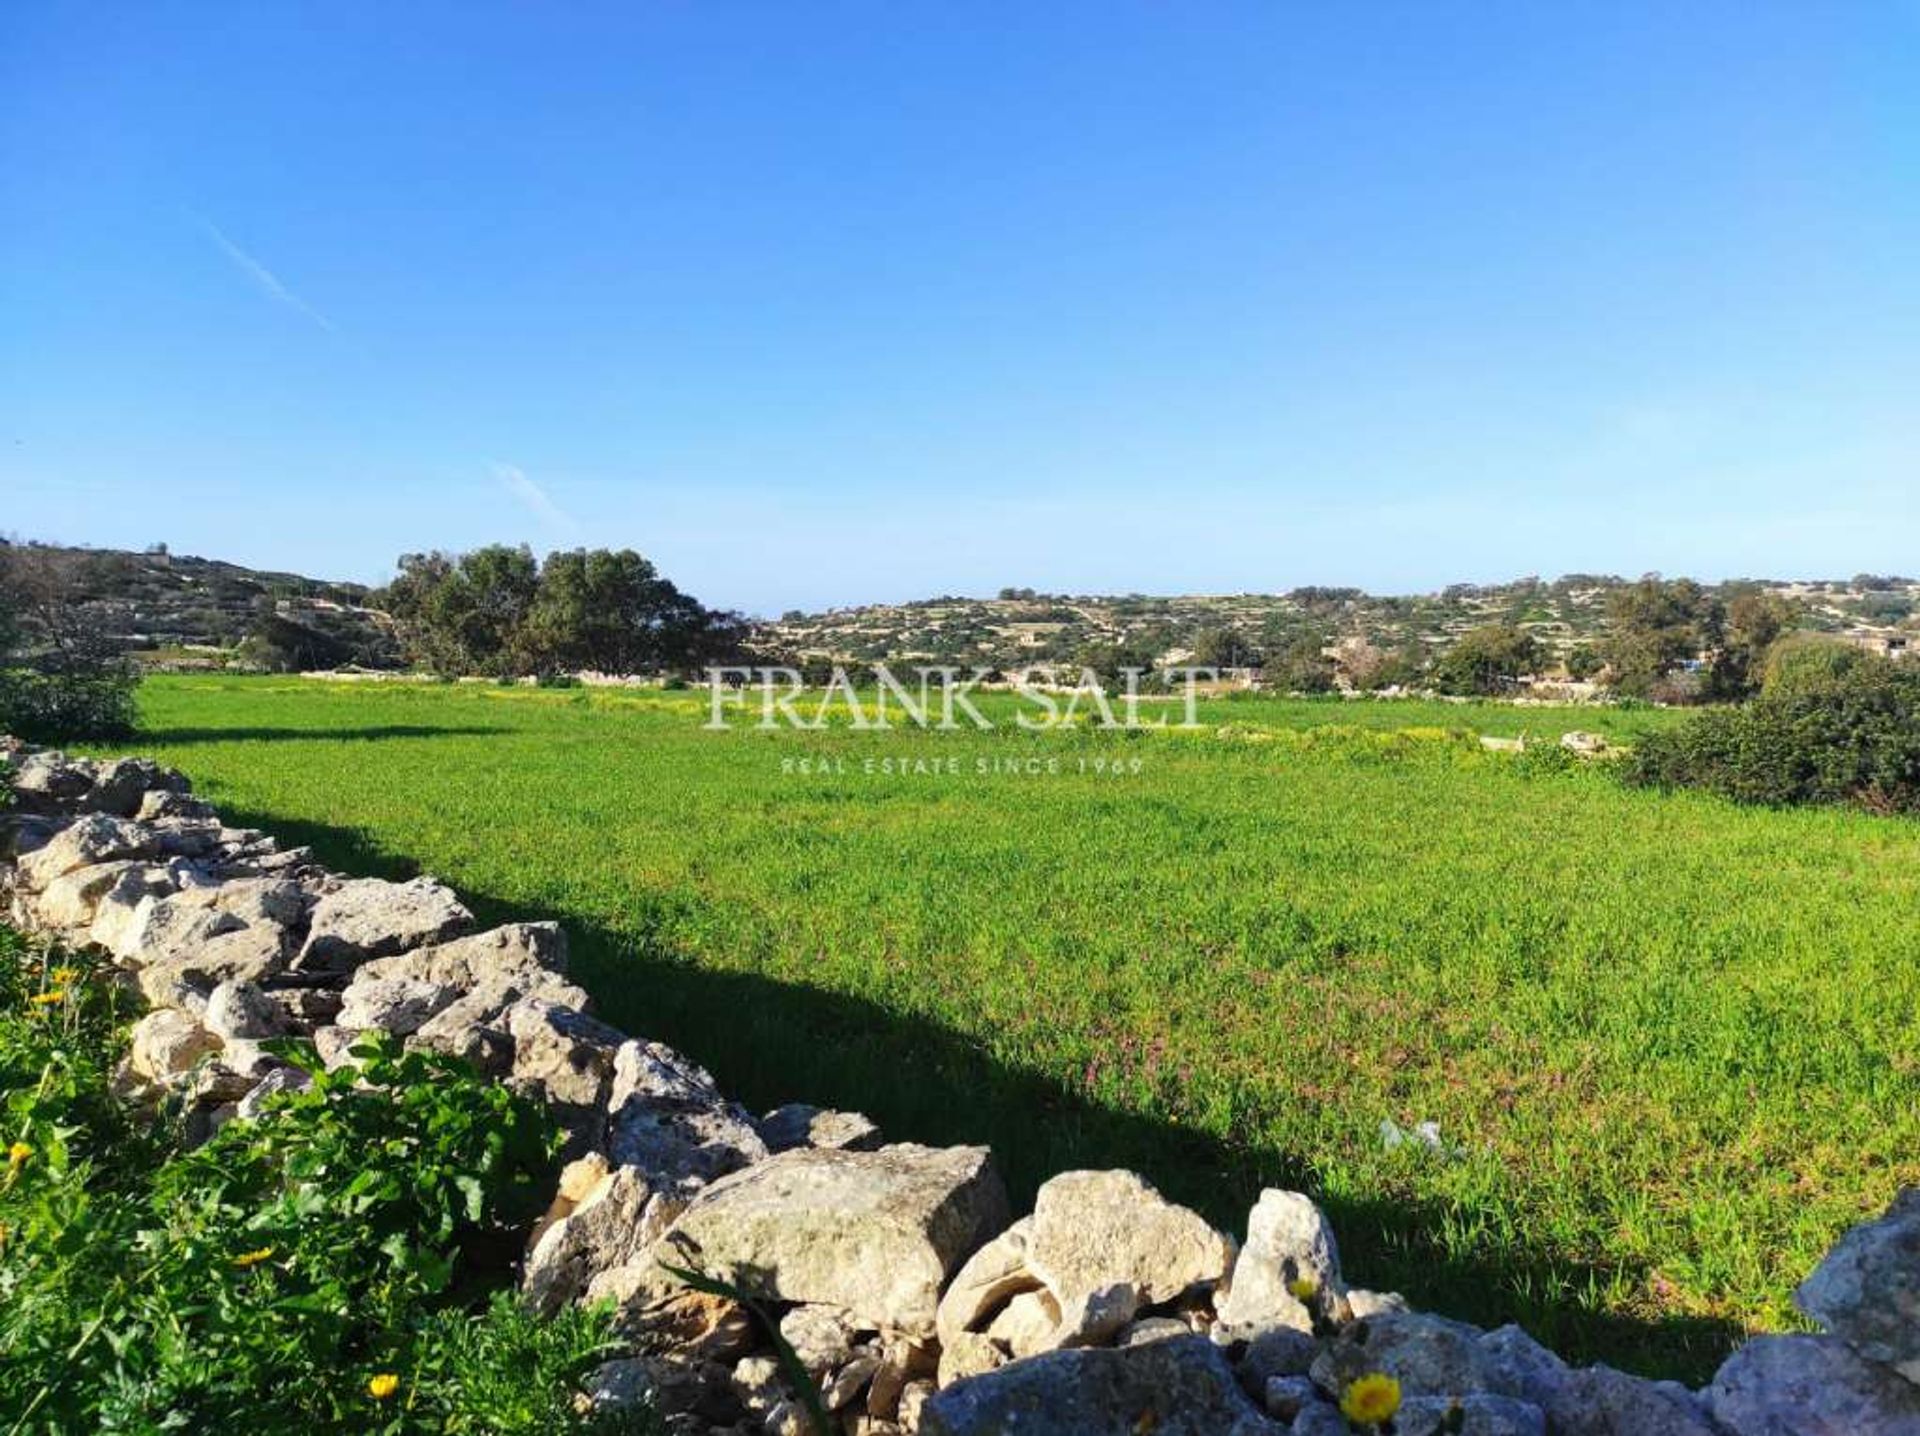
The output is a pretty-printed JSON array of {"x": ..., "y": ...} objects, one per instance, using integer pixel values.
[
  {"x": 177, "y": 609},
  {"x": 1021, "y": 626}
]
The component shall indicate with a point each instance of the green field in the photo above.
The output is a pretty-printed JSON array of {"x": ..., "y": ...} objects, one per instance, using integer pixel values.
[{"x": 1673, "y": 1046}]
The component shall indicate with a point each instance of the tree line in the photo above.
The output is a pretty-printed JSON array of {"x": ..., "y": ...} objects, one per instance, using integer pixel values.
[
  {"x": 1668, "y": 640},
  {"x": 498, "y": 611}
]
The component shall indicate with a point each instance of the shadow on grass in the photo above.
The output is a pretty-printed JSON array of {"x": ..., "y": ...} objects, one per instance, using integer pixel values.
[
  {"x": 182, "y": 736},
  {"x": 770, "y": 1042}
]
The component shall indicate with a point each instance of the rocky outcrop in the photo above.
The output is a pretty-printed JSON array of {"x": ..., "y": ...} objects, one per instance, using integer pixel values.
[{"x": 910, "y": 1297}]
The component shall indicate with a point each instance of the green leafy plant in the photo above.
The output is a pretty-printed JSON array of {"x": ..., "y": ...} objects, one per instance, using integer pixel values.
[{"x": 332, "y": 1265}]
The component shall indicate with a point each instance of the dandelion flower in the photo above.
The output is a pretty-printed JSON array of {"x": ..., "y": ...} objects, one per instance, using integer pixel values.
[
  {"x": 18, "y": 1153},
  {"x": 64, "y": 975},
  {"x": 1371, "y": 1400},
  {"x": 47, "y": 999},
  {"x": 253, "y": 1258},
  {"x": 383, "y": 1386}
]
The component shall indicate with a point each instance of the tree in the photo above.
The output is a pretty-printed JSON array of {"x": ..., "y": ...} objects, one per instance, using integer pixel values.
[
  {"x": 1300, "y": 667},
  {"x": 1756, "y": 620},
  {"x": 1653, "y": 626},
  {"x": 601, "y": 610},
  {"x": 1583, "y": 661},
  {"x": 62, "y": 675},
  {"x": 496, "y": 611},
  {"x": 1222, "y": 646},
  {"x": 1486, "y": 660},
  {"x": 464, "y": 615}
]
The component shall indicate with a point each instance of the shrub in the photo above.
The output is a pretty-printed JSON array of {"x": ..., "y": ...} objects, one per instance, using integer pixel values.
[
  {"x": 263, "y": 1281},
  {"x": 1843, "y": 734},
  {"x": 61, "y": 706}
]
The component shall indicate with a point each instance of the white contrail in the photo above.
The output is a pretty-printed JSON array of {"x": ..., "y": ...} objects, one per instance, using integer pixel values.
[
  {"x": 267, "y": 281},
  {"x": 515, "y": 481}
]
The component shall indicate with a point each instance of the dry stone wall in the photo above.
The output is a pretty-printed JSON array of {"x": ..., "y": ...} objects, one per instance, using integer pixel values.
[{"x": 913, "y": 1298}]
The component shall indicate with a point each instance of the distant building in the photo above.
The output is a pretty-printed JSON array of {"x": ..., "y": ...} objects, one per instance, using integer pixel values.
[{"x": 1885, "y": 642}]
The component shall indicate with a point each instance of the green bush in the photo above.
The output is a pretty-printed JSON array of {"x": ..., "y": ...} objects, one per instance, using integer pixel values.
[
  {"x": 1820, "y": 732},
  {"x": 358, "y": 1230},
  {"x": 60, "y": 706}
]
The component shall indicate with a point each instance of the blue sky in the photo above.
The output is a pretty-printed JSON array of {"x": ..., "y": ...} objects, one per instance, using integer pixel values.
[{"x": 820, "y": 303}]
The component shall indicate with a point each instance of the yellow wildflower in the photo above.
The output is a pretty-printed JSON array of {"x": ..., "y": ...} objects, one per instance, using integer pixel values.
[
  {"x": 1304, "y": 1288},
  {"x": 64, "y": 975},
  {"x": 18, "y": 1153},
  {"x": 1371, "y": 1400},
  {"x": 383, "y": 1386},
  {"x": 45, "y": 999},
  {"x": 253, "y": 1258}
]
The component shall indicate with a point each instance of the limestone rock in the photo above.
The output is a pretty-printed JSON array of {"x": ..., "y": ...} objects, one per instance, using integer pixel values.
[
  {"x": 165, "y": 803},
  {"x": 842, "y": 1387},
  {"x": 1811, "y": 1386},
  {"x": 664, "y": 1388},
  {"x": 913, "y": 1404},
  {"x": 608, "y": 1225},
  {"x": 51, "y": 777},
  {"x": 368, "y": 918},
  {"x": 822, "y": 1337},
  {"x": 990, "y": 1278},
  {"x": 1026, "y": 1323},
  {"x": 239, "y": 1009},
  {"x": 1285, "y": 1397},
  {"x": 565, "y": 1059},
  {"x": 1867, "y": 1290},
  {"x": 1427, "y": 1355},
  {"x": 119, "y": 786},
  {"x": 667, "y": 1118},
  {"x": 1599, "y": 1401},
  {"x": 472, "y": 1029},
  {"x": 1478, "y": 1415},
  {"x": 875, "y": 1233},
  {"x": 1288, "y": 1241},
  {"x": 1279, "y": 1352},
  {"x": 1363, "y": 1304},
  {"x": 1152, "y": 1328},
  {"x": 118, "y": 908},
  {"x": 798, "y": 1125},
  {"x": 95, "y": 838},
  {"x": 71, "y": 900},
  {"x": 970, "y": 1353},
  {"x": 531, "y": 952},
  {"x": 399, "y": 1005},
  {"x": 1171, "y": 1388},
  {"x": 1095, "y": 1229},
  {"x": 167, "y": 1043},
  {"x": 281, "y": 1079},
  {"x": 246, "y": 954}
]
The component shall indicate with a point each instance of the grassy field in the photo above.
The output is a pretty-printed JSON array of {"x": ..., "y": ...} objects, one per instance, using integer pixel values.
[{"x": 1673, "y": 1047}]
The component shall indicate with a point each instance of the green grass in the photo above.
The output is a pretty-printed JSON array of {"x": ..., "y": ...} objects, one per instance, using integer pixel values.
[{"x": 1675, "y": 1043}]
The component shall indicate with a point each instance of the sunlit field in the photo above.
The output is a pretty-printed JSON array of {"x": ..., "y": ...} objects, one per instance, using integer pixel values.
[{"x": 1672, "y": 1046}]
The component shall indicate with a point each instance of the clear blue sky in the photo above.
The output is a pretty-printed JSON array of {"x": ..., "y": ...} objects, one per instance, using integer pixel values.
[{"x": 819, "y": 303}]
